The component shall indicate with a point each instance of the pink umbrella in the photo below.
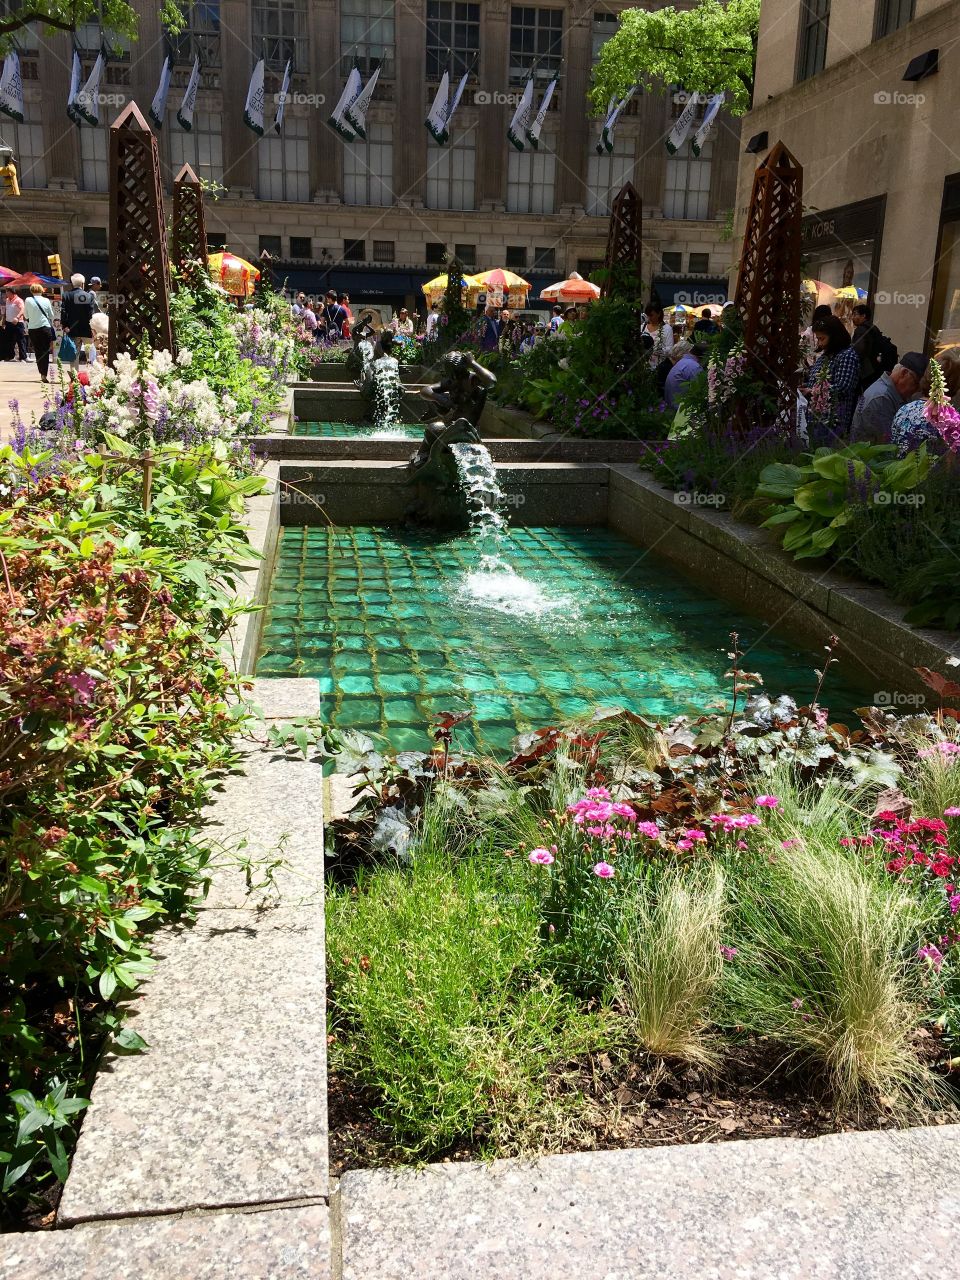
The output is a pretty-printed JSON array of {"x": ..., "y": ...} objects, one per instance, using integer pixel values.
[{"x": 573, "y": 289}]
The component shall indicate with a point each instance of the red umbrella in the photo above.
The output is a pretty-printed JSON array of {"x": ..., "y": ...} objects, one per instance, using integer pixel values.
[{"x": 5, "y": 272}]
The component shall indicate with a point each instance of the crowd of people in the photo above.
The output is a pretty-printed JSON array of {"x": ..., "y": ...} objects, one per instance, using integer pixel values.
[{"x": 39, "y": 325}]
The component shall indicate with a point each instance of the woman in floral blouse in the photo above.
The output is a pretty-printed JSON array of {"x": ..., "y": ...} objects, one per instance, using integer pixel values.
[{"x": 834, "y": 380}]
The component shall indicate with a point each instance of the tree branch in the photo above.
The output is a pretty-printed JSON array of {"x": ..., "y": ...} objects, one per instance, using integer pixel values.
[{"x": 7, "y": 25}]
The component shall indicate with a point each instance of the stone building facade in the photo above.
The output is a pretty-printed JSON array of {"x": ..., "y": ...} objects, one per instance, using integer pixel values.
[
  {"x": 378, "y": 218},
  {"x": 879, "y": 152}
]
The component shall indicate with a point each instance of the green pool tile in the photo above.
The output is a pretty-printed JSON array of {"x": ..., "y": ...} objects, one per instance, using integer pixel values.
[{"x": 622, "y": 628}]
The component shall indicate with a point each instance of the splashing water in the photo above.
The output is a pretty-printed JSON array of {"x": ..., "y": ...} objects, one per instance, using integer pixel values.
[
  {"x": 387, "y": 392},
  {"x": 496, "y": 584}
]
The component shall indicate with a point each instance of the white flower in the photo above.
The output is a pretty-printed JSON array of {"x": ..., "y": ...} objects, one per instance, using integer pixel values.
[{"x": 184, "y": 358}]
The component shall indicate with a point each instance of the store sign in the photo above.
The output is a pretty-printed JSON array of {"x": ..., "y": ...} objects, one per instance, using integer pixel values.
[{"x": 860, "y": 221}]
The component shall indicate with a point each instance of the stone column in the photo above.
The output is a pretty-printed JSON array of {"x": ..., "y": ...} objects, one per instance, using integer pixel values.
[
  {"x": 409, "y": 135},
  {"x": 60, "y": 136},
  {"x": 723, "y": 167},
  {"x": 326, "y": 151},
  {"x": 492, "y": 144},
  {"x": 574, "y": 125},
  {"x": 236, "y": 61}
]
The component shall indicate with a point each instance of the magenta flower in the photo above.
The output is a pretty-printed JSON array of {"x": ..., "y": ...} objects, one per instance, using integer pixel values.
[
  {"x": 83, "y": 685},
  {"x": 694, "y": 833},
  {"x": 649, "y": 829},
  {"x": 933, "y": 954},
  {"x": 603, "y": 870},
  {"x": 789, "y": 844},
  {"x": 728, "y": 953},
  {"x": 952, "y": 812},
  {"x": 953, "y": 902},
  {"x": 541, "y": 857},
  {"x": 767, "y": 802}
]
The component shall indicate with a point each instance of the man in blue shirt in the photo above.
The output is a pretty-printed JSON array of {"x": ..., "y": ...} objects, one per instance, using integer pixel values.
[
  {"x": 489, "y": 329},
  {"x": 881, "y": 400}
]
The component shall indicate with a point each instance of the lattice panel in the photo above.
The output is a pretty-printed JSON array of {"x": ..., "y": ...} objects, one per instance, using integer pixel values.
[
  {"x": 139, "y": 266},
  {"x": 189, "y": 222},
  {"x": 768, "y": 287},
  {"x": 623, "y": 269}
]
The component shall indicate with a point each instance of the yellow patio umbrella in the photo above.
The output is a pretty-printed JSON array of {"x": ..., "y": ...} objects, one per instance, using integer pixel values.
[
  {"x": 439, "y": 284},
  {"x": 237, "y": 276}
]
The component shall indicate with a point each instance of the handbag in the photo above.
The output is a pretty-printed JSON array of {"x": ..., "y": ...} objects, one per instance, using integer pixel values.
[{"x": 67, "y": 350}]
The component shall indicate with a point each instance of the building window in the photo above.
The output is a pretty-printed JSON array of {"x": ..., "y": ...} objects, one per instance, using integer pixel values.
[
  {"x": 301, "y": 247},
  {"x": 384, "y": 251},
  {"x": 453, "y": 38},
  {"x": 671, "y": 263},
  {"x": 95, "y": 238},
  {"x": 201, "y": 148},
  {"x": 280, "y": 30},
  {"x": 451, "y": 172},
  {"x": 699, "y": 264},
  {"x": 536, "y": 36},
  {"x": 891, "y": 16},
  {"x": 588, "y": 265},
  {"x": 284, "y": 162},
  {"x": 216, "y": 240},
  {"x": 814, "y": 21},
  {"x": 544, "y": 259},
  {"x": 200, "y": 36},
  {"x": 94, "y": 147},
  {"x": 271, "y": 245},
  {"x": 466, "y": 254},
  {"x": 604, "y": 26},
  {"x": 354, "y": 250},
  {"x": 434, "y": 253},
  {"x": 687, "y": 193},
  {"x": 530, "y": 181},
  {"x": 606, "y": 174},
  {"x": 367, "y": 34},
  {"x": 516, "y": 257},
  {"x": 29, "y": 153},
  {"x": 368, "y": 167}
]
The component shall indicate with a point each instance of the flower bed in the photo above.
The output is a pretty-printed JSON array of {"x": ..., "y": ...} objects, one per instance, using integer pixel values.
[
  {"x": 120, "y": 706},
  {"x": 740, "y": 924}
]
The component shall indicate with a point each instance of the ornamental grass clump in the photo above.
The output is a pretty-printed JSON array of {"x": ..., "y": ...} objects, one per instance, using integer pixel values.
[
  {"x": 671, "y": 958},
  {"x": 827, "y": 959}
]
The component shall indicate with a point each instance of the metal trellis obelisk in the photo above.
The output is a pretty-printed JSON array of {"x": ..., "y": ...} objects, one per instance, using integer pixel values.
[
  {"x": 768, "y": 287},
  {"x": 189, "y": 224},
  {"x": 622, "y": 265},
  {"x": 139, "y": 267}
]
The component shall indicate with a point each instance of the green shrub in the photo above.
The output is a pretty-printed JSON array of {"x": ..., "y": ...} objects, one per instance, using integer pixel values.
[{"x": 438, "y": 1002}]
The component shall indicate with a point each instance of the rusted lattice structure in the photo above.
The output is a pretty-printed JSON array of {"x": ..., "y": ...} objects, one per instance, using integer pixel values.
[
  {"x": 189, "y": 224},
  {"x": 768, "y": 287},
  {"x": 139, "y": 266},
  {"x": 622, "y": 265}
]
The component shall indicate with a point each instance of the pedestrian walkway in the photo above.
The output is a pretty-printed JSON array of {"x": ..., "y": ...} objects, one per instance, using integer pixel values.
[{"x": 21, "y": 382}]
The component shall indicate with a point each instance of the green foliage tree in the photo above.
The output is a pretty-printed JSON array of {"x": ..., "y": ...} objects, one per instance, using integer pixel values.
[
  {"x": 711, "y": 48},
  {"x": 117, "y": 17}
]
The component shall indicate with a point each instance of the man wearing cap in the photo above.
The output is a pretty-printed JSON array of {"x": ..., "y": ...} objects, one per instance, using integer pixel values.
[{"x": 881, "y": 400}]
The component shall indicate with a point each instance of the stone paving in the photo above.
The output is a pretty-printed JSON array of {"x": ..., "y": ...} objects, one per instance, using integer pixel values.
[{"x": 21, "y": 382}]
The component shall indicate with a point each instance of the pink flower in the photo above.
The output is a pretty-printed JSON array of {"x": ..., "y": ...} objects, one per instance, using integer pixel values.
[
  {"x": 694, "y": 833},
  {"x": 684, "y": 844},
  {"x": 541, "y": 857},
  {"x": 83, "y": 685},
  {"x": 649, "y": 829},
  {"x": 953, "y": 902},
  {"x": 624, "y": 811},
  {"x": 728, "y": 953},
  {"x": 933, "y": 954},
  {"x": 603, "y": 870},
  {"x": 945, "y": 749},
  {"x": 767, "y": 802},
  {"x": 743, "y": 820},
  {"x": 789, "y": 844},
  {"x": 952, "y": 812},
  {"x": 796, "y": 1003}
]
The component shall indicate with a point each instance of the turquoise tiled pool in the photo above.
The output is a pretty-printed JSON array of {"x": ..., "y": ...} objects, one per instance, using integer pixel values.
[
  {"x": 358, "y": 431},
  {"x": 399, "y": 626}
]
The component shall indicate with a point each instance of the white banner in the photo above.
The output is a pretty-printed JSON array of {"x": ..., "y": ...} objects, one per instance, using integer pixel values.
[
  {"x": 282, "y": 97},
  {"x": 517, "y": 131},
  {"x": 610, "y": 124},
  {"x": 437, "y": 118},
  {"x": 86, "y": 104},
  {"x": 455, "y": 102},
  {"x": 678, "y": 134},
  {"x": 356, "y": 113},
  {"x": 76, "y": 70},
  {"x": 350, "y": 92},
  {"x": 253, "y": 107},
  {"x": 700, "y": 137},
  {"x": 11, "y": 87},
  {"x": 533, "y": 133},
  {"x": 158, "y": 107}
]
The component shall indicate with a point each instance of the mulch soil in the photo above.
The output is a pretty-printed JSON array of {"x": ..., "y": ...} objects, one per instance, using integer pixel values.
[{"x": 643, "y": 1102}]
